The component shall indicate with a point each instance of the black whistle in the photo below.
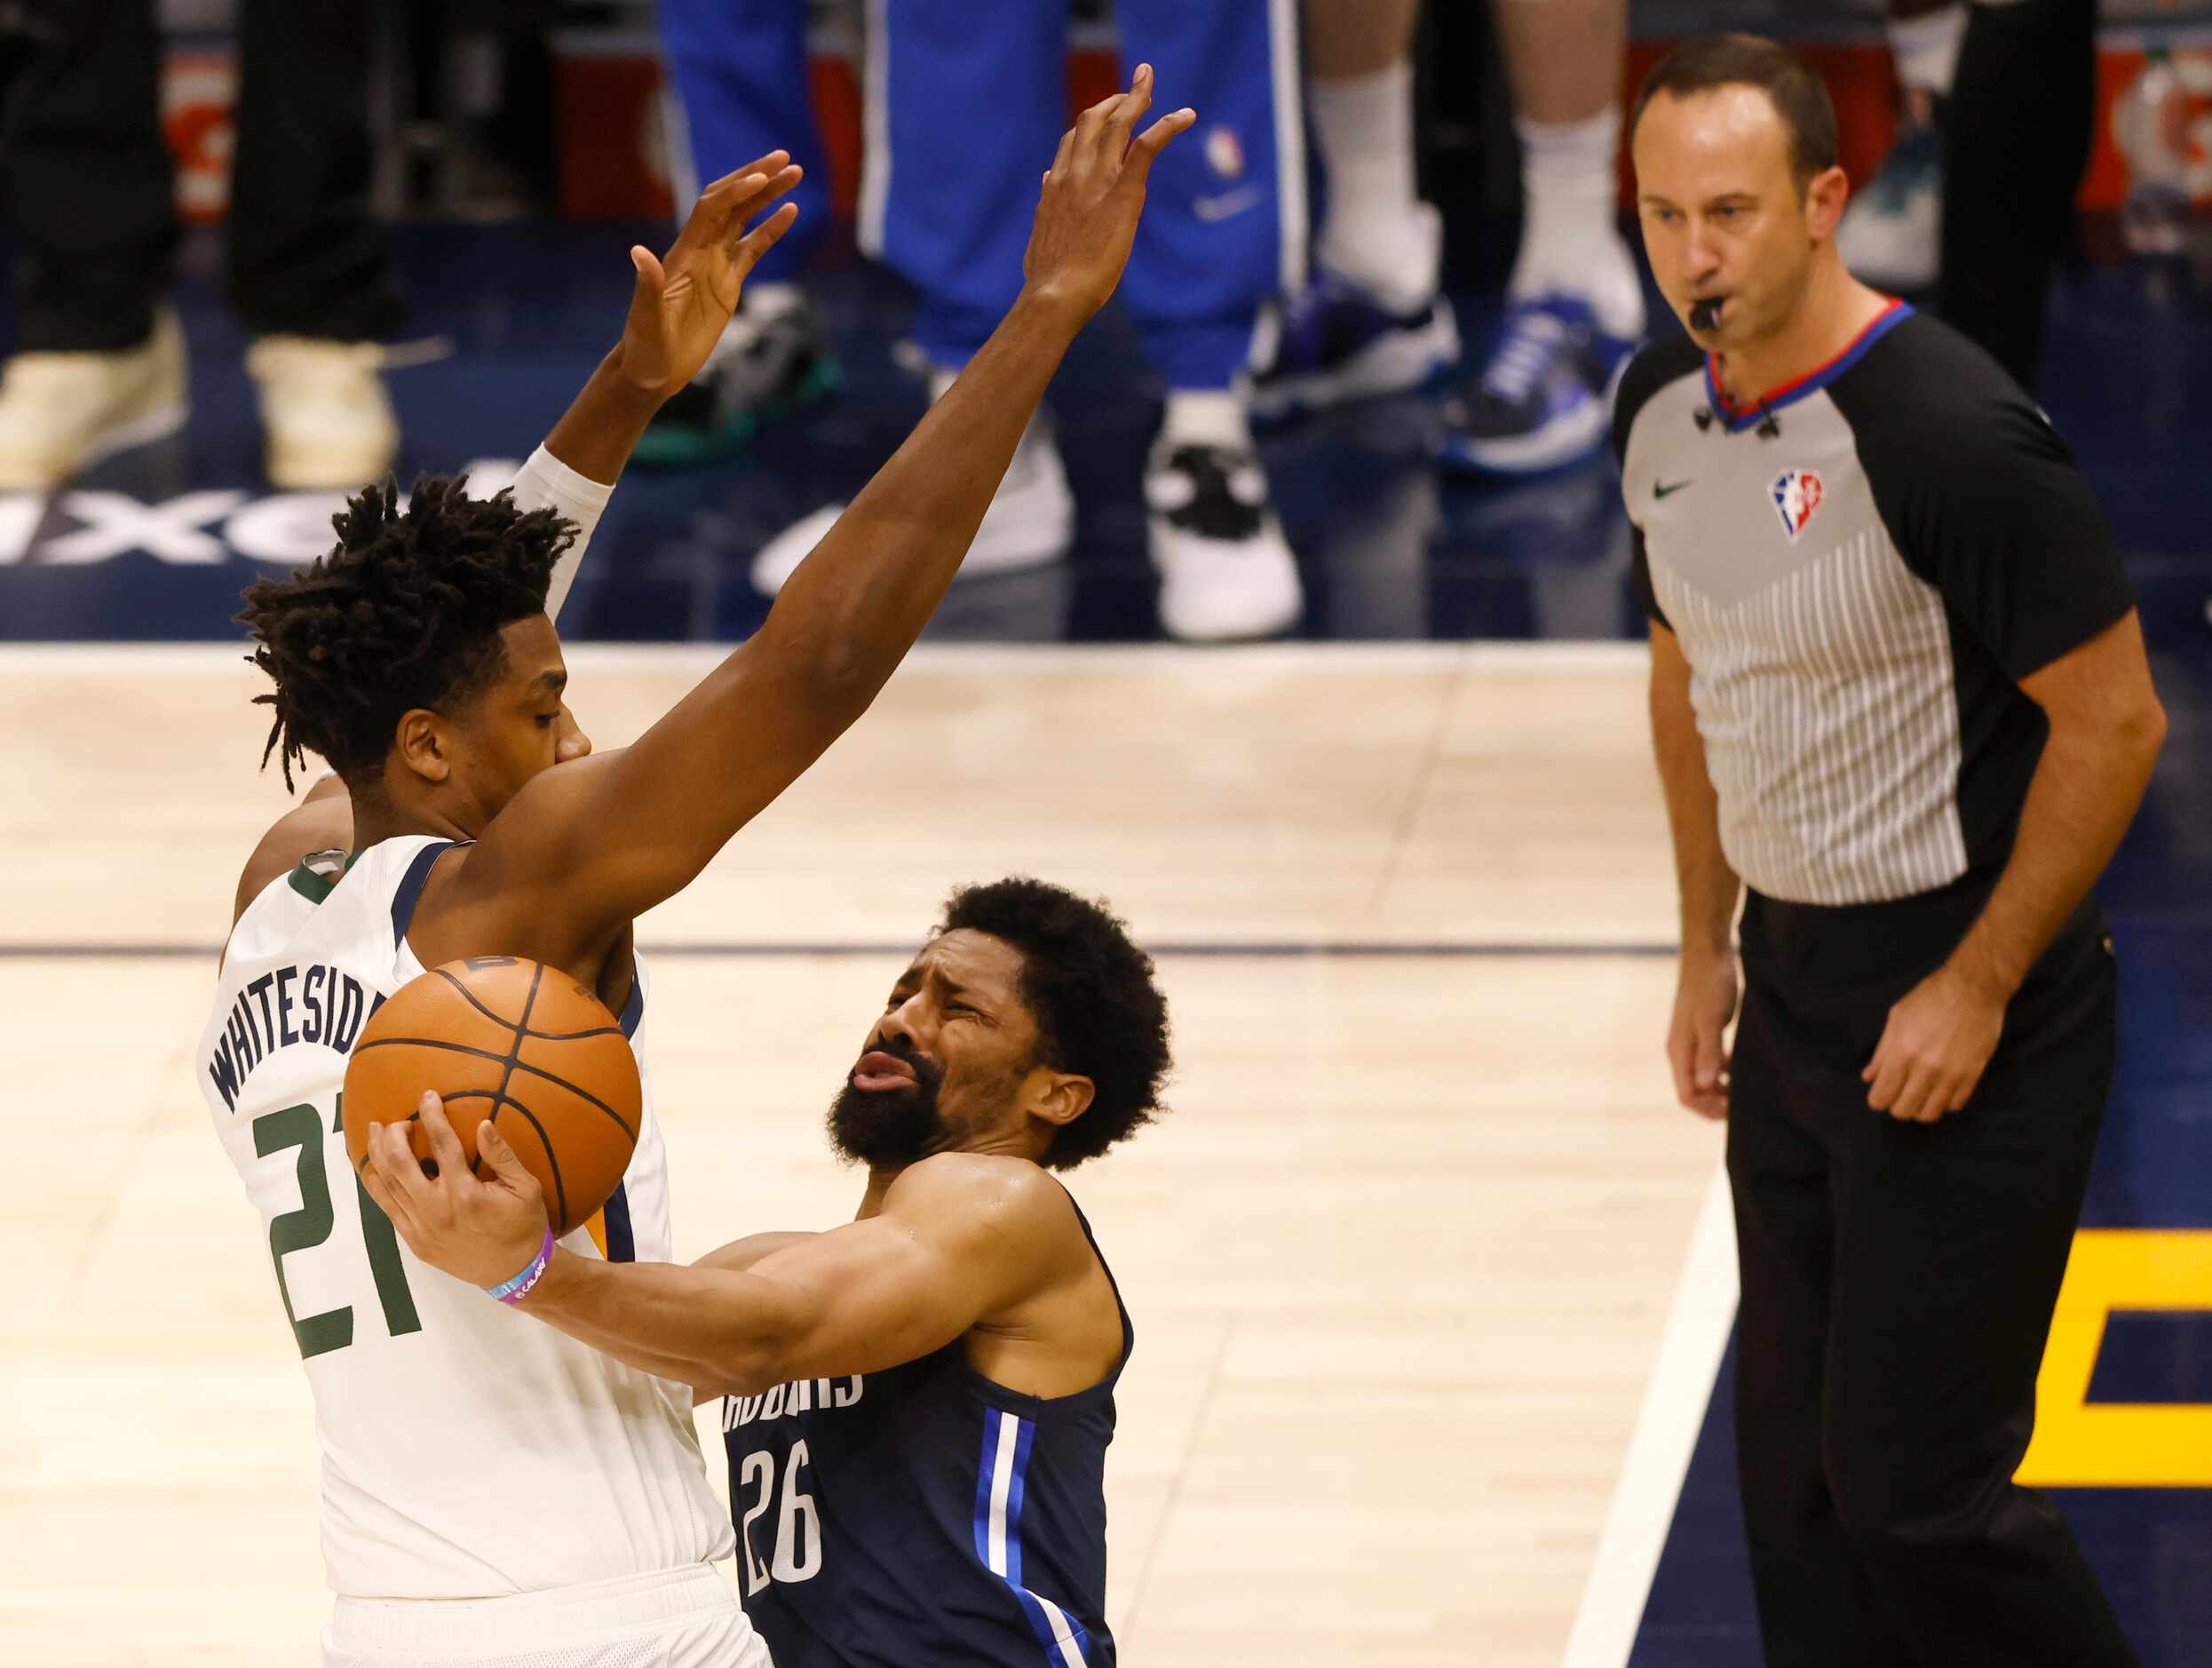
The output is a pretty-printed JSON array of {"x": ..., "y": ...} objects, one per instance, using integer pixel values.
[{"x": 1705, "y": 315}]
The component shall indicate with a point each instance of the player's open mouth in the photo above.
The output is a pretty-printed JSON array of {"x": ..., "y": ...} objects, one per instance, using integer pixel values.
[
  {"x": 878, "y": 1070},
  {"x": 1705, "y": 312}
]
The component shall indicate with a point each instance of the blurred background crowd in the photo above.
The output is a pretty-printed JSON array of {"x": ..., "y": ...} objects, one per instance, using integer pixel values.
[{"x": 1385, "y": 202}]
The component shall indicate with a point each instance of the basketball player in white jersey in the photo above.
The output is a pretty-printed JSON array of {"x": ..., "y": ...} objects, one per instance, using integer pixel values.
[{"x": 494, "y": 1492}]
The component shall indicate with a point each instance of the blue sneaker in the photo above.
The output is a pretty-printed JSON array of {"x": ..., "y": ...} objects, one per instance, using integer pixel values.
[
  {"x": 1337, "y": 343},
  {"x": 1545, "y": 397}
]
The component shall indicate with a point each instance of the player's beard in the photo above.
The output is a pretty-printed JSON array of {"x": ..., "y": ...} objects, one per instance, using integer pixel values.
[{"x": 888, "y": 1129}]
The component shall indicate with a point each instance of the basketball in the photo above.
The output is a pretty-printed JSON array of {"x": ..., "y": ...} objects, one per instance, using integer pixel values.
[{"x": 516, "y": 1042}]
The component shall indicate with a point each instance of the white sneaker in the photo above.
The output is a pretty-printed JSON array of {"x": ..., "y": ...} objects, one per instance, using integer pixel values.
[
  {"x": 1891, "y": 234},
  {"x": 1225, "y": 569},
  {"x": 1030, "y": 521},
  {"x": 59, "y": 412},
  {"x": 324, "y": 410}
]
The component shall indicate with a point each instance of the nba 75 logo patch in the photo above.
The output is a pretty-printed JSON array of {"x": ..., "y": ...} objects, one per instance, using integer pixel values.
[{"x": 1796, "y": 494}]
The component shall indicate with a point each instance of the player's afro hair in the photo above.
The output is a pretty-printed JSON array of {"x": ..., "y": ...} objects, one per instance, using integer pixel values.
[
  {"x": 1098, "y": 1012},
  {"x": 404, "y": 612}
]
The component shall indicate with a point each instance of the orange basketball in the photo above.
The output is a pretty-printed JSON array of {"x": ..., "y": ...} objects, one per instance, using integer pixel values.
[{"x": 516, "y": 1042}]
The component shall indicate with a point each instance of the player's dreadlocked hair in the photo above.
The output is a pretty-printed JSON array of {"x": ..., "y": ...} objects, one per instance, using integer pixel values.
[
  {"x": 405, "y": 612},
  {"x": 1098, "y": 1010}
]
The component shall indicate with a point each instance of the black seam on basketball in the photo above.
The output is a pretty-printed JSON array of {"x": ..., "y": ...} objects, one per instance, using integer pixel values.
[
  {"x": 581, "y": 1093},
  {"x": 428, "y": 1042},
  {"x": 553, "y": 1160},
  {"x": 553, "y": 1077},
  {"x": 506, "y": 1075},
  {"x": 514, "y": 1055},
  {"x": 470, "y": 996}
]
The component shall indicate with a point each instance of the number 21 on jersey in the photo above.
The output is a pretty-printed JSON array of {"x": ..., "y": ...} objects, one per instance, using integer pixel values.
[{"x": 300, "y": 1127}]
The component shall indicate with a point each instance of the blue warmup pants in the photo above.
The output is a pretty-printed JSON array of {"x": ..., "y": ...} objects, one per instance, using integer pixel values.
[
  {"x": 966, "y": 103},
  {"x": 740, "y": 69}
]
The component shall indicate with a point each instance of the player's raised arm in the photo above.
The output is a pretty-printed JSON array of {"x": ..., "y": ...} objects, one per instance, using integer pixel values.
[
  {"x": 581, "y": 850},
  {"x": 681, "y": 304}
]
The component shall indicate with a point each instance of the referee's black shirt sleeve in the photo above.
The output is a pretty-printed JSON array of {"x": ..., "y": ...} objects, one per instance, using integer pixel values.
[
  {"x": 1647, "y": 372},
  {"x": 1982, "y": 497}
]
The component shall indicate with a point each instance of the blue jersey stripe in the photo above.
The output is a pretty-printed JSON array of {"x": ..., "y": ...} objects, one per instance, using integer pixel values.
[
  {"x": 1023, "y": 1431},
  {"x": 999, "y": 1493},
  {"x": 410, "y": 892},
  {"x": 621, "y": 1242},
  {"x": 634, "y": 1009},
  {"x": 983, "y": 1474}
]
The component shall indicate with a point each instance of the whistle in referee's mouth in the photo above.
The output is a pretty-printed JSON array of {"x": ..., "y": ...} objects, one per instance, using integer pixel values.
[{"x": 1705, "y": 312}]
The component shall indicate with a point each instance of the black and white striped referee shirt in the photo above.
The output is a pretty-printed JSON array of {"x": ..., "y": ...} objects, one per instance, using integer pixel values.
[{"x": 1860, "y": 569}]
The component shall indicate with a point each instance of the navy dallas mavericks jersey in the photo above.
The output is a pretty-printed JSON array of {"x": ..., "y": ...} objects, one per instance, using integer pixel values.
[{"x": 926, "y": 1517}]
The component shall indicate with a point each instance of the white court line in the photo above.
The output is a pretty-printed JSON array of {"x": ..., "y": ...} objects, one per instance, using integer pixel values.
[
  {"x": 1497, "y": 656},
  {"x": 1665, "y": 1432}
]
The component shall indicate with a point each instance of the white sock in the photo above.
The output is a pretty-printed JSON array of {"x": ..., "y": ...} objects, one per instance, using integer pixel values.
[
  {"x": 1926, "y": 49},
  {"x": 766, "y": 301},
  {"x": 1570, "y": 241},
  {"x": 1377, "y": 233},
  {"x": 758, "y": 304},
  {"x": 1212, "y": 416}
]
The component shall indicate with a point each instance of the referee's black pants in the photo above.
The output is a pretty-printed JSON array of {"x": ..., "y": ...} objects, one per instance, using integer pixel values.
[
  {"x": 1898, "y": 1281},
  {"x": 88, "y": 188}
]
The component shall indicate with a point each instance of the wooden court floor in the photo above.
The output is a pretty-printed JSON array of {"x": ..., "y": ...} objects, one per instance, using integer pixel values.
[{"x": 1399, "y": 1260}]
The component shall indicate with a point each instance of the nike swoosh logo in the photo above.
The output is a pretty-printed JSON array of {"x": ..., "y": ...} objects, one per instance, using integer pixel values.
[
  {"x": 1660, "y": 490},
  {"x": 1228, "y": 203}
]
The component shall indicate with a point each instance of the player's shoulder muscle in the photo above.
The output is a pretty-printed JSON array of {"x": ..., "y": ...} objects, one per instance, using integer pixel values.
[{"x": 984, "y": 1201}]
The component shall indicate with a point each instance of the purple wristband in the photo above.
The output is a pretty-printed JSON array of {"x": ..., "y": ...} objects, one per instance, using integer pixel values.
[{"x": 514, "y": 1291}]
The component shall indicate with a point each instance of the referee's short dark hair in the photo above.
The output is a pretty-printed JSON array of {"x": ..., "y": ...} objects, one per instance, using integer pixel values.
[{"x": 1799, "y": 96}]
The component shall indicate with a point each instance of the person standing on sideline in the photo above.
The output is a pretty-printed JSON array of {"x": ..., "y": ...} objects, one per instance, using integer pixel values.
[
  {"x": 1374, "y": 321},
  {"x": 1900, "y": 697},
  {"x": 739, "y": 72},
  {"x": 86, "y": 179},
  {"x": 943, "y": 205},
  {"x": 2023, "y": 122}
]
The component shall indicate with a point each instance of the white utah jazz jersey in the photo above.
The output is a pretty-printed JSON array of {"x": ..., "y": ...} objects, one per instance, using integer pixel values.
[{"x": 468, "y": 1449}]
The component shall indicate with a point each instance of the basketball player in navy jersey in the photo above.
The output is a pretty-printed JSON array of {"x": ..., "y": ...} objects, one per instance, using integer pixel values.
[{"x": 919, "y": 1401}]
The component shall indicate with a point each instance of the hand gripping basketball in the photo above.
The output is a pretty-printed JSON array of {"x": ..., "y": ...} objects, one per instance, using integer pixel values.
[
  {"x": 477, "y": 1222},
  {"x": 520, "y": 1044}
]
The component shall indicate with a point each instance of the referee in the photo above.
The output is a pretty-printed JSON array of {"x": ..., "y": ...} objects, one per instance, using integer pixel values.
[{"x": 1900, "y": 697}]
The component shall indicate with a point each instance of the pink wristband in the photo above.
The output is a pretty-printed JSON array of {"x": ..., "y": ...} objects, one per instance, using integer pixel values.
[{"x": 514, "y": 1291}]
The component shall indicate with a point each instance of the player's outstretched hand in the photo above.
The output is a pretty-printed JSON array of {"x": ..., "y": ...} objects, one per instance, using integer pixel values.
[
  {"x": 481, "y": 1228},
  {"x": 1087, "y": 211},
  {"x": 684, "y": 299}
]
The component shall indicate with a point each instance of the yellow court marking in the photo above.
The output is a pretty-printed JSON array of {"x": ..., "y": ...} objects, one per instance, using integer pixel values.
[{"x": 2119, "y": 1445}]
